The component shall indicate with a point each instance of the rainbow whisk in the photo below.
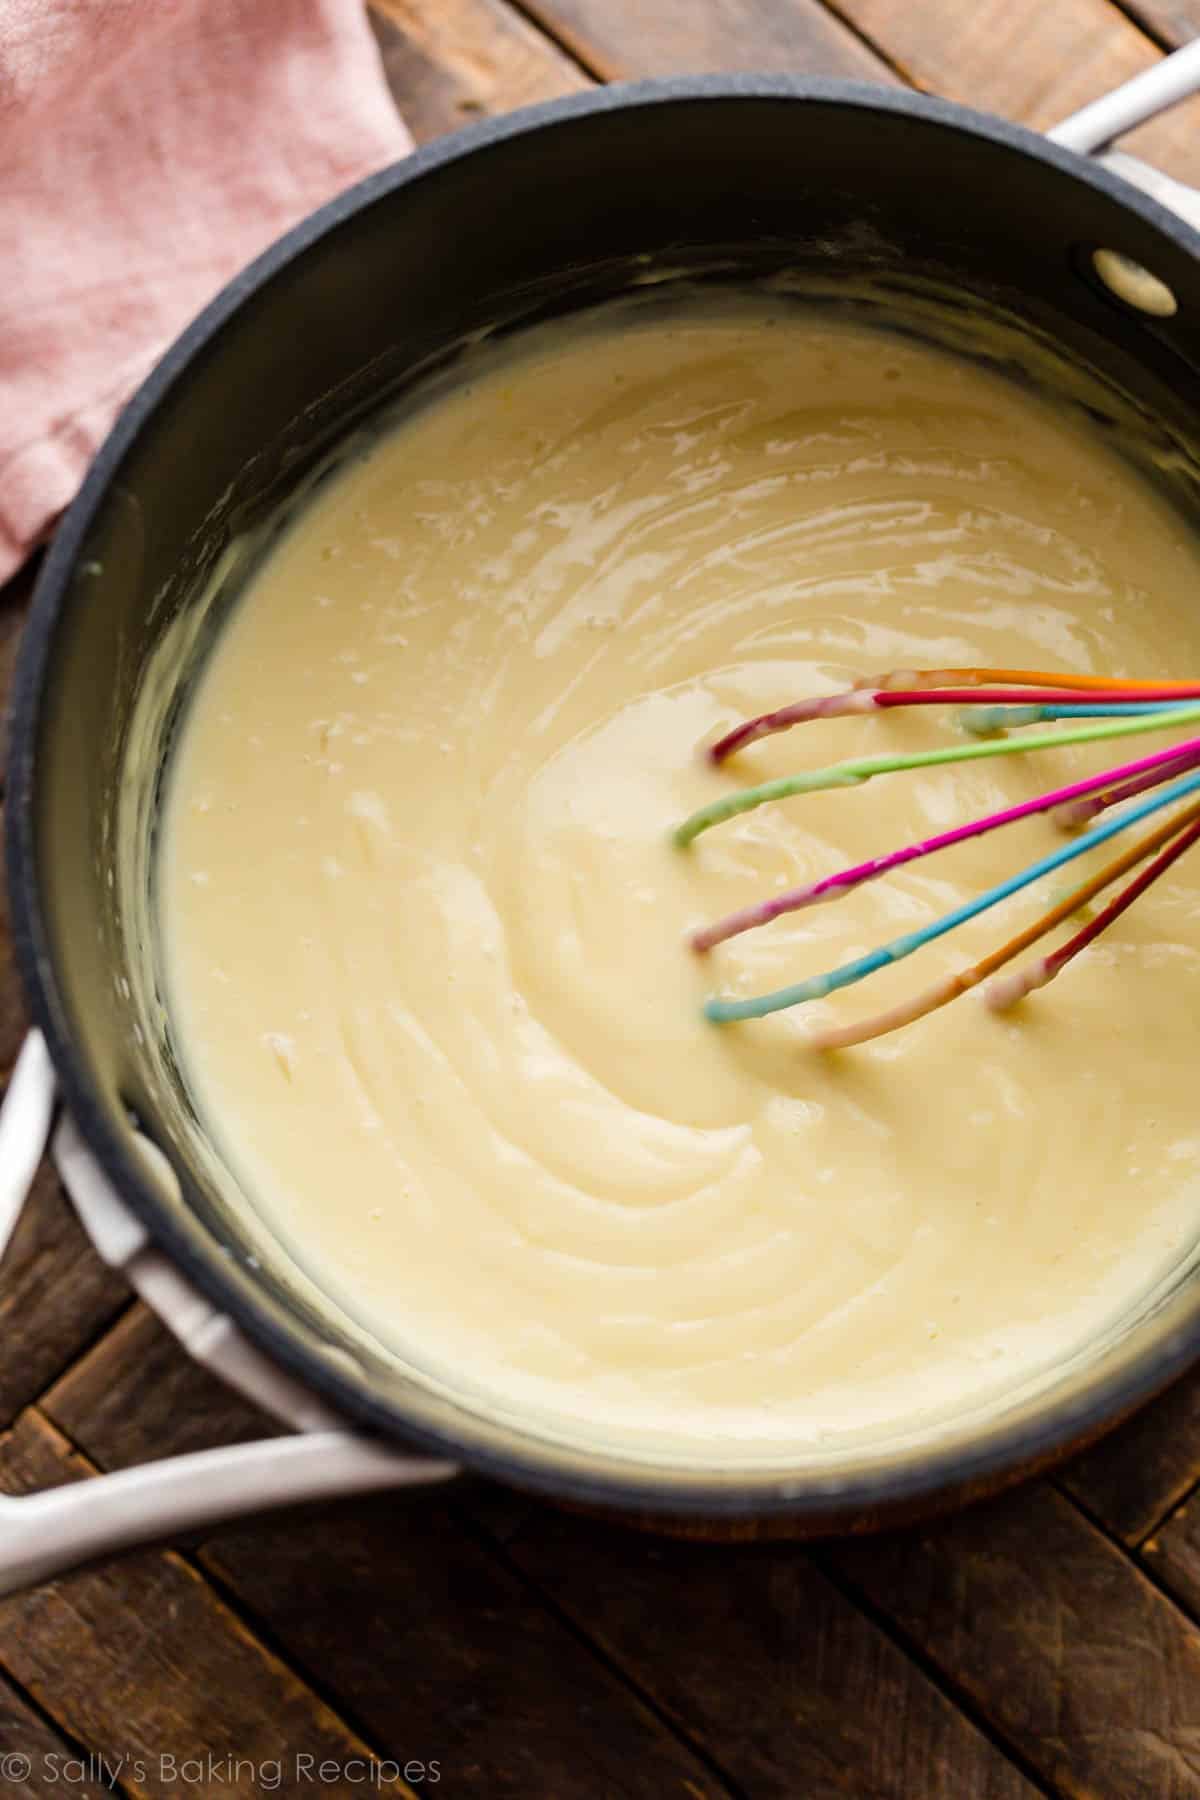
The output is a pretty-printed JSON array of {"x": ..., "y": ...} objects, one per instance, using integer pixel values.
[{"x": 999, "y": 707}]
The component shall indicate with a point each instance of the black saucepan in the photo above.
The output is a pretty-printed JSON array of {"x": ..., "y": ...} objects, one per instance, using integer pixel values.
[{"x": 715, "y": 180}]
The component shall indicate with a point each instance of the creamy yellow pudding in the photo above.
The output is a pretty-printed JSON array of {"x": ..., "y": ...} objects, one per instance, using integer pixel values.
[{"x": 424, "y": 926}]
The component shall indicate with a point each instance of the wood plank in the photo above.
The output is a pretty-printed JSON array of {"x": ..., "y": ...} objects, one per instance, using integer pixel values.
[
  {"x": 1173, "y": 1553},
  {"x": 1131, "y": 1479},
  {"x": 467, "y": 1658},
  {"x": 449, "y": 63},
  {"x": 55, "y": 1295},
  {"x": 136, "y": 1396},
  {"x": 392, "y": 1604},
  {"x": 35, "y": 1760},
  {"x": 1029, "y": 61},
  {"x": 622, "y": 38},
  {"x": 1019, "y": 58},
  {"x": 1174, "y": 22},
  {"x": 756, "y": 1653},
  {"x": 1060, "y": 1641},
  {"x": 140, "y": 1658}
]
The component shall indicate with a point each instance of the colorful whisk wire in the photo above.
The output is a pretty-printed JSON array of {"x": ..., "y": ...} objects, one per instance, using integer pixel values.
[
  {"x": 964, "y": 687},
  {"x": 993, "y": 701}
]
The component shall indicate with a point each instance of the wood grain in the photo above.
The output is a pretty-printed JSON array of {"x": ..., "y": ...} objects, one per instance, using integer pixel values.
[
  {"x": 1059, "y": 1640},
  {"x": 1173, "y": 22},
  {"x": 52, "y": 1761},
  {"x": 439, "y": 1642},
  {"x": 136, "y": 1396},
  {"x": 55, "y": 1295},
  {"x": 1131, "y": 1479},
  {"x": 1174, "y": 1554},
  {"x": 449, "y": 63},
  {"x": 756, "y": 1653},
  {"x": 1030, "y": 61},
  {"x": 141, "y": 1659},
  {"x": 622, "y": 38}
]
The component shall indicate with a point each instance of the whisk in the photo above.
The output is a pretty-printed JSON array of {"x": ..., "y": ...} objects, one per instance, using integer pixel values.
[{"x": 993, "y": 703}]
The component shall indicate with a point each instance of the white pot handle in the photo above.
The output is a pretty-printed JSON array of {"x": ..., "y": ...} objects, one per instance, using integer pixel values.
[
  {"x": 1094, "y": 127},
  {"x": 24, "y": 1127},
  {"x": 44, "y": 1534},
  {"x": 1155, "y": 90}
]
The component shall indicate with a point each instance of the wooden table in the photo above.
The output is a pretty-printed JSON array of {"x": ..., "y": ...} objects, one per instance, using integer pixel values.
[{"x": 1045, "y": 1643}]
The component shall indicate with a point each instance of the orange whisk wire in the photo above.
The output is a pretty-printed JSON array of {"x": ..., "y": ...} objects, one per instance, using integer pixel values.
[{"x": 1048, "y": 678}]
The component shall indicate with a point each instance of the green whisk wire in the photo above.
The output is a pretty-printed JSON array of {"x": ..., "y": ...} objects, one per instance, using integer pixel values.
[
  {"x": 727, "y": 1010},
  {"x": 864, "y": 768}
]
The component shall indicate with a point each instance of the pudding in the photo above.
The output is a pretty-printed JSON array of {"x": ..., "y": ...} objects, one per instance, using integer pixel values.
[{"x": 425, "y": 929}]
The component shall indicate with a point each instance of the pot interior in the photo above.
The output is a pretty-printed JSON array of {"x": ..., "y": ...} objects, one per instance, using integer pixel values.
[{"x": 896, "y": 211}]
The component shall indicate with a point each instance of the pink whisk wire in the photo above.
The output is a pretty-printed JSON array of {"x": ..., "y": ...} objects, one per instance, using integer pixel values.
[{"x": 1160, "y": 705}]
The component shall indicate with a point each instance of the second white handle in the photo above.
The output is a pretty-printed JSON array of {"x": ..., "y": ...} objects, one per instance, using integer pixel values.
[
  {"x": 46, "y": 1534},
  {"x": 1151, "y": 92}
]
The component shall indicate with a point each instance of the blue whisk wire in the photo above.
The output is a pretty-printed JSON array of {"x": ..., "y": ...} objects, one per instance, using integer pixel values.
[{"x": 816, "y": 987}]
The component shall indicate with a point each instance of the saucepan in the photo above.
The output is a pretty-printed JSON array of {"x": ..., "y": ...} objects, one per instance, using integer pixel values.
[{"x": 512, "y": 221}]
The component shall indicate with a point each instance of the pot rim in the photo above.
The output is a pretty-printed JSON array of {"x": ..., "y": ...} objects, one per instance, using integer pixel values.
[{"x": 998, "y": 1454}]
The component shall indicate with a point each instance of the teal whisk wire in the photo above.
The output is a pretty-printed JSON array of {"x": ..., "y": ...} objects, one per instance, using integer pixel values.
[
  {"x": 982, "y": 720},
  {"x": 727, "y": 1011}
]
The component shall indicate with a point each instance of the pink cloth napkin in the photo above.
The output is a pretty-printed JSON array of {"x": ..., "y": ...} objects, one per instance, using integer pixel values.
[{"x": 148, "y": 149}]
